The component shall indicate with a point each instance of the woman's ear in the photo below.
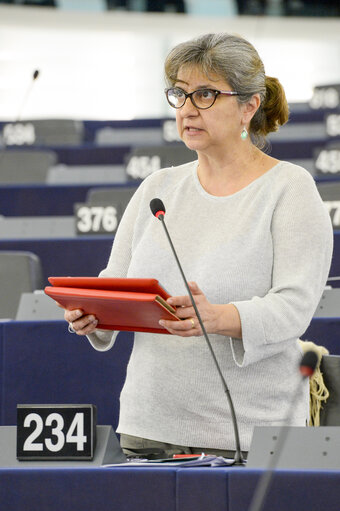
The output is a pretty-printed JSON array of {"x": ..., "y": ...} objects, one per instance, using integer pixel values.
[{"x": 250, "y": 108}]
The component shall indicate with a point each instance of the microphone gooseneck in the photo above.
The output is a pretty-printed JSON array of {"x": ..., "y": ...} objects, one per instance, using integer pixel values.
[
  {"x": 307, "y": 367},
  {"x": 27, "y": 94},
  {"x": 18, "y": 117},
  {"x": 158, "y": 210}
]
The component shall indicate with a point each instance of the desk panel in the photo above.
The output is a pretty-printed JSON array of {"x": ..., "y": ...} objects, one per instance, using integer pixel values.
[
  {"x": 202, "y": 489},
  {"x": 40, "y": 200},
  {"x": 290, "y": 490},
  {"x": 41, "y": 362},
  {"x": 299, "y": 113},
  {"x": 81, "y": 256},
  {"x": 91, "y": 154},
  {"x": 335, "y": 266},
  {"x": 104, "y": 489},
  {"x": 163, "y": 489},
  {"x": 87, "y": 256},
  {"x": 325, "y": 332}
]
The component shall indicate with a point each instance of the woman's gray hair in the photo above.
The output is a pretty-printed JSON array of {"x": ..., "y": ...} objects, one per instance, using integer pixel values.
[
  {"x": 236, "y": 61},
  {"x": 229, "y": 56}
]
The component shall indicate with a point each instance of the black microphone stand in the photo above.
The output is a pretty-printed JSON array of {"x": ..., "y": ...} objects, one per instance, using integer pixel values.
[
  {"x": 239, "y": 460},
  {"x": 309, "y": 362}
]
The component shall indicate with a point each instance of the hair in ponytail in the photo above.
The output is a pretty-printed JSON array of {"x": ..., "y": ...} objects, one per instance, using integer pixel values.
[{"x": 272, "y": 113}]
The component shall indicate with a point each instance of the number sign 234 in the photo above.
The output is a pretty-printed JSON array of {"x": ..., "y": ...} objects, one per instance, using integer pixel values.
[{"x": 55, "y": 432}]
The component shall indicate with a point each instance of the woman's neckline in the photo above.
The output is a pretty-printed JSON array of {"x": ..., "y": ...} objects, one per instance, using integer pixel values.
[{"x": 242, "y": 190}]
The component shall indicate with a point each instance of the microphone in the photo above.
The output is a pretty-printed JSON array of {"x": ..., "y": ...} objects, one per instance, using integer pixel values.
[
  {"x": 28, "y": 91},
  {"x": 158, "y": 210},
  {"x": 23, "y": 104},
  {"x": 307, "y": 367},
  {"x": 308, "y": 364}
]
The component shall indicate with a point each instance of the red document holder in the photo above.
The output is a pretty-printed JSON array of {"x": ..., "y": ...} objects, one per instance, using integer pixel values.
[{"x": 134, "y": 305}]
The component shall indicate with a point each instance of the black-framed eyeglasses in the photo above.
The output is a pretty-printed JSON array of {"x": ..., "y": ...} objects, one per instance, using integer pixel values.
[{"x": 200, "y": 98}]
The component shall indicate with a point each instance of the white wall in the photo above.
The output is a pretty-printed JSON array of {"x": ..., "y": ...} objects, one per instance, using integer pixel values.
[{"x": 109, "y": 65}]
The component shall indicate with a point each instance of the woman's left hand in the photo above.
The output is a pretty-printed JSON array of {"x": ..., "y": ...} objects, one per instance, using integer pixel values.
[{"x": 210, "y": 314}]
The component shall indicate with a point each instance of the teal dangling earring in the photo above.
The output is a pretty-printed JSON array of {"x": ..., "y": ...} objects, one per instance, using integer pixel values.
[{"x": 244, "y": 134}]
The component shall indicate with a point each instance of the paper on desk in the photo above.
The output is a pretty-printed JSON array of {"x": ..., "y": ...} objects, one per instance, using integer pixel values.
[{"x": 202, "y": 461}]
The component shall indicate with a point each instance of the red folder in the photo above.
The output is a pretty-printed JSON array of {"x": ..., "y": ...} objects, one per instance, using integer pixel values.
[{"x": 135, "y": 305}]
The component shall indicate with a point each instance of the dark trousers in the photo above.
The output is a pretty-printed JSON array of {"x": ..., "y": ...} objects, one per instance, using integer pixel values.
[{"x": 132, "y": 444}]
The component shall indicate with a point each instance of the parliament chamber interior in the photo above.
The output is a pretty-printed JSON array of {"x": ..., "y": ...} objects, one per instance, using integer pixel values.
[{"x": 83, "y": 121}]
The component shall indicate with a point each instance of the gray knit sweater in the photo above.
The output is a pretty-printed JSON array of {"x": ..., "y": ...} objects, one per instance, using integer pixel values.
[{"x": 266, "y": 249}]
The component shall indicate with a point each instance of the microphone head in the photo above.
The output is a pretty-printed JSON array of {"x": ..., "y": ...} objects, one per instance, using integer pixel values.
[
  {"x": 35, "y": 74},
  {"x": 157, "y": 208},
  {"x": 308, "y": 363}
]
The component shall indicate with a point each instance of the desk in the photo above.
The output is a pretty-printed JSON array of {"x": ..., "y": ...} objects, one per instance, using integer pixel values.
[
  {"x": 87, "y": 489},
  {"x": 79, "y": 256},
  {"x": 163, "y": 489},
  {"x": 91, "y": 154},
  {"x": 43, "y": 200},
  {"x": 290, "y": 491},
  {"x": 88, "y": 255},
  {"x": 41, "y": 362},
  {"x": 325, "y": 332}
]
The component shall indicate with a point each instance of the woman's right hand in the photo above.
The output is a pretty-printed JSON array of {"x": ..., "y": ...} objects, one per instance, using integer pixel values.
[{"x": 80, "y": 323}]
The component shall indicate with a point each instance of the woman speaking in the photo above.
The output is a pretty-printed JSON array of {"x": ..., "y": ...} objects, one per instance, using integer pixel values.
[{"x": 255, "y": 242}]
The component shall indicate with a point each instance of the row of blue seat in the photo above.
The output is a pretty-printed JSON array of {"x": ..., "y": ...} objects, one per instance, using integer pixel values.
[
  {"x": 43, "y": 200},
  {"x": 21, "y": 200},
  {"x": 87, "y": 255},
  {"x": 90, "y": 154},
  {"x": 299, "y": 113}
]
